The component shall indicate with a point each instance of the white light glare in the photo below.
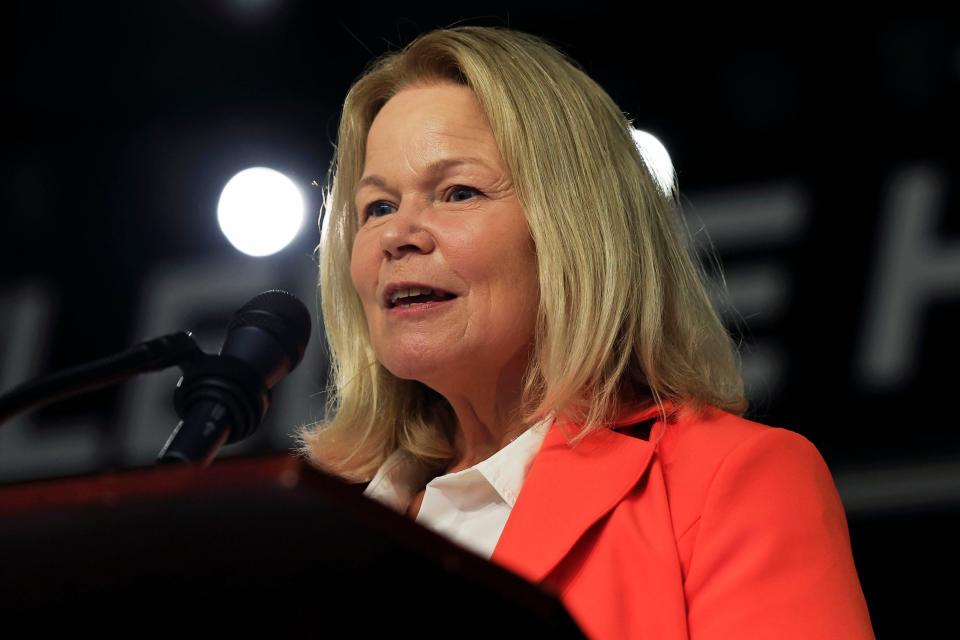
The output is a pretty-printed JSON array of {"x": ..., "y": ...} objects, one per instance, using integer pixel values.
[
  {"x": 657, "y": 159},
  {"x": 260, "y": 211}
]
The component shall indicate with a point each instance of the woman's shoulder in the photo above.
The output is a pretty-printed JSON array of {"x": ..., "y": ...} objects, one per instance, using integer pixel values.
[
  {"x": 761, "y": 532},
  {"x": 709, "y": 433},
  {"x": 698, "y": 447}
]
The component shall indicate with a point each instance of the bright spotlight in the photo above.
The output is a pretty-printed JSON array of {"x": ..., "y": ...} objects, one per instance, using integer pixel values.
[
  {"x": 657, "y": 159},
  {"x": 260, "y": 211}
]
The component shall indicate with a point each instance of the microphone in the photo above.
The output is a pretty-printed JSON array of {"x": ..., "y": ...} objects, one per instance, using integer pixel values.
[{"x": 221, "y": 399}]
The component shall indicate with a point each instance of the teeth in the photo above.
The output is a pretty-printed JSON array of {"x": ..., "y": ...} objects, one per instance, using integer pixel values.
[{"x": 406, "y": 293}]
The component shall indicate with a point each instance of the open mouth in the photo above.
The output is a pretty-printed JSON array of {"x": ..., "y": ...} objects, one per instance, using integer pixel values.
[{"x": 409, "y": 298}]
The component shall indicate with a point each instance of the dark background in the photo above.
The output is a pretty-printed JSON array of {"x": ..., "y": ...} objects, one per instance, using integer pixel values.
[{"x": 819, "y": 156}]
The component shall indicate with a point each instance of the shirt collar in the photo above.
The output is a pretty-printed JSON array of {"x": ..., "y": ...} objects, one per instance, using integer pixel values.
[
  {"x": 397, "y": 480},
  {"x": 507, "y": 469},
  {"x": 402, "y": 475}
]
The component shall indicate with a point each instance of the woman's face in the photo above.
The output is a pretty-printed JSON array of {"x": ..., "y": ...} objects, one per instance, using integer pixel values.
[{"x": 437, "y": 208}]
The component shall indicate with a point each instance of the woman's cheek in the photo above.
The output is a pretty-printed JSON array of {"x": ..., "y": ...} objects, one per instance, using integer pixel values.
[{"x": 358, "y": 272}]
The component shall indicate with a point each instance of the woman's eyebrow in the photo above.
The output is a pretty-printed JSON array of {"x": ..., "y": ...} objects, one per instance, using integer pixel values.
[{"x": 439, "y": 166}]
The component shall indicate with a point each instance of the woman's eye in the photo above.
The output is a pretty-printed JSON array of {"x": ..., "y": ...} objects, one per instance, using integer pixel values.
[
  {"x": 378, "y": 209},
  {"x": 460, "y": 193},
  {"x": 454, "y": 194}
]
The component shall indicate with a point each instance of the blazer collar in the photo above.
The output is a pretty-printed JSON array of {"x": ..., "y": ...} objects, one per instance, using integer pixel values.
[{"x": 569, "y": 489}]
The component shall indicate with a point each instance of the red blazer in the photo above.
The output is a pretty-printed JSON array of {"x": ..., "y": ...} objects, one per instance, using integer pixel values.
[{"x": 715, "y": 528}]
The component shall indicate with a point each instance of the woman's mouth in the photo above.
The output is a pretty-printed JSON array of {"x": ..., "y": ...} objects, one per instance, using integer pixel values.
[
  {"x": 414, "y": 306},
  {"x": 410, "y": 296}
]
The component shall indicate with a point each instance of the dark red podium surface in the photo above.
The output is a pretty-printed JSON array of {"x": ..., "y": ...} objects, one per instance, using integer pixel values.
[{"x": 266, "y": 546}]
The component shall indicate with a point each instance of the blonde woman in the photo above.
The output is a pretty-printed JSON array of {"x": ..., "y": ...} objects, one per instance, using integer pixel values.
[{"x": 524, "y": 358}]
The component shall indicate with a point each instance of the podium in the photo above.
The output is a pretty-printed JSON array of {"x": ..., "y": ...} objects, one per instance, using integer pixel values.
[{"x": 264, "y": 546}]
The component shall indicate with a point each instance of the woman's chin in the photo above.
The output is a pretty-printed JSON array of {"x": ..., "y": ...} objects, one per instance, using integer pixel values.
[{"x": 414, "y": 367}]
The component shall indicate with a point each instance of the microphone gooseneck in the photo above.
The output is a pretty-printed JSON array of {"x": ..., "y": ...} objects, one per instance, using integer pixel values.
[
  {"x": 221, "y": 399},
  {"x": 152, "y": 355}
]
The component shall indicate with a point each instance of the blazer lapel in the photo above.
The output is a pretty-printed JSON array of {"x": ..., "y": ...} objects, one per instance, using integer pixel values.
[{"x": 568, "y": 489}]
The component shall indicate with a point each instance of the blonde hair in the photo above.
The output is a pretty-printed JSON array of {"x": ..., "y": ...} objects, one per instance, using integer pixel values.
[{"x": 624, "y": 317}]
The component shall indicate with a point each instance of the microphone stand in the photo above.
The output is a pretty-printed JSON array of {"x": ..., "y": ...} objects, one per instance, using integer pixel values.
[
  {"x": 221, "y": 400},
  {"x": 152, "y": 355}
]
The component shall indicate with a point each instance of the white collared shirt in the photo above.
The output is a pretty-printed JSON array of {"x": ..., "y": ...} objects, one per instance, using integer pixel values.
[{"x": 470, "y": 506}]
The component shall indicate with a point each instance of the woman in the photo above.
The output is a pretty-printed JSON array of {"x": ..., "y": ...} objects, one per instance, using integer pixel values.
[{"x": 525, "y": 359}]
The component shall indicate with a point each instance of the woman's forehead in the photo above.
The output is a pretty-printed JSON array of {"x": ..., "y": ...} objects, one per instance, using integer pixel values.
[{"x": 425, "y": 129}]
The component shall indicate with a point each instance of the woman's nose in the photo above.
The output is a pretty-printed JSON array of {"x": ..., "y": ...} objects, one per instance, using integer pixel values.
[{"x": 404, "y": 233}]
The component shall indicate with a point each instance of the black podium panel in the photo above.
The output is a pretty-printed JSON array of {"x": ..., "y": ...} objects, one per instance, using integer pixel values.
[{"x": 257, "y": 546}]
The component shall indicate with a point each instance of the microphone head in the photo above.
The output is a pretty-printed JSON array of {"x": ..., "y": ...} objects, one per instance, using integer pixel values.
[{"x": 282, "y": 315}]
